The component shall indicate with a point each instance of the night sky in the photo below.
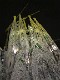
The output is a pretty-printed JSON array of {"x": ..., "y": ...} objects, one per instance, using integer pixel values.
[{"x": 49, "y": 15}]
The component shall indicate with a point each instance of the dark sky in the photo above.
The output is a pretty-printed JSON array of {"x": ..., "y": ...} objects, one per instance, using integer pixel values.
[{"x": 49, "y": 15}]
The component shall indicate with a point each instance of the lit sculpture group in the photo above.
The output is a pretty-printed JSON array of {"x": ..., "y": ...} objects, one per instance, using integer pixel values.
[{"x": 31, "y": 53}]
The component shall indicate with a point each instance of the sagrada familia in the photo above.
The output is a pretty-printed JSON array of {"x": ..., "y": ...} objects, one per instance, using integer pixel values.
[{"x": 30, "y": 53}]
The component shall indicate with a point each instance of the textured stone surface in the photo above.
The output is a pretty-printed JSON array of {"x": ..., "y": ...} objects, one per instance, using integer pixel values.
[{"x": 31, "y": 56}]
